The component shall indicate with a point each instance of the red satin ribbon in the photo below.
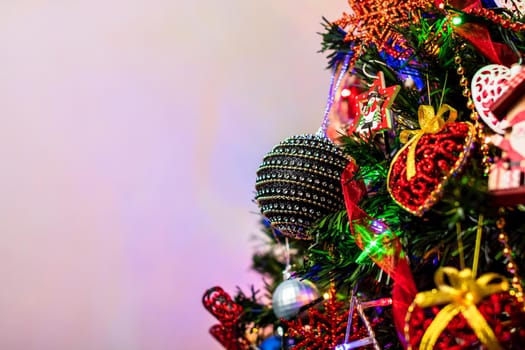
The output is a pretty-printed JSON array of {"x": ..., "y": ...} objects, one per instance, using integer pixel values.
[
  {"x": 394, "y": 263},
  {"x": 479, "y": 36}
]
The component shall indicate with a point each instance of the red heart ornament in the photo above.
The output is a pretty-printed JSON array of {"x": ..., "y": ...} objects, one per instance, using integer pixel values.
[{"x": 437, "y": 157}]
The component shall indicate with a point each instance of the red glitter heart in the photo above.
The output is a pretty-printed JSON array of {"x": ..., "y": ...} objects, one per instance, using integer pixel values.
[{"x": 438, "y": 156}]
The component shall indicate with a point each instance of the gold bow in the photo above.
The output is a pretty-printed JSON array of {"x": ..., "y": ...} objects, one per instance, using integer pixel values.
[
  {"x": 430, "y": 123},
  {"x": 462, "y": 294}
]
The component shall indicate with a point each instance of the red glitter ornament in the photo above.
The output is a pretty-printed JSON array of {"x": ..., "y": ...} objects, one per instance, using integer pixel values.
[
  {"x": 421, "y": 168},
  {"x": 503, "y": 313},
  {"x": 326, "y": 326},
  {"x": 220, "y": 304}
]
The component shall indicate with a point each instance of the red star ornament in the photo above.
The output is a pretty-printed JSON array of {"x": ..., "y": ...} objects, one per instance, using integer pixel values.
[{"x": 373, "y": 107}]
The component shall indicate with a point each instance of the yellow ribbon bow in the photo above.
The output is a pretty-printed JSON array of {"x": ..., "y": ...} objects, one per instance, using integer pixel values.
[
  {"x": 462, "y": 294},
  {"x": 430, "y": 123}
]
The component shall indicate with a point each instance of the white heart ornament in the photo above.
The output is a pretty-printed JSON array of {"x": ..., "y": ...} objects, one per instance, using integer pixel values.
[
  {"x": 517, "y": 7},
  {"x": 488, "y": 84}
]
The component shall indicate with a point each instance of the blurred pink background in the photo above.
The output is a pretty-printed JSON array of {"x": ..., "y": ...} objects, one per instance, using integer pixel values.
[{"x": 131, "y": 132}]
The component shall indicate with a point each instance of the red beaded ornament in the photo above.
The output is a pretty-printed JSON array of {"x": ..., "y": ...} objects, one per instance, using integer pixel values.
[{"x": 221, "y": 305}]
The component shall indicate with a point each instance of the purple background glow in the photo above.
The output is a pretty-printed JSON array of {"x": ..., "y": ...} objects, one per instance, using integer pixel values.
[{"x": 131, "y": 133}]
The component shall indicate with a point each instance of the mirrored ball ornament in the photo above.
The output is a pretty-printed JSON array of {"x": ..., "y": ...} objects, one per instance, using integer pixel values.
[
  {"x": 291, "y": 295},
  {"x": 299, "y": 182}
]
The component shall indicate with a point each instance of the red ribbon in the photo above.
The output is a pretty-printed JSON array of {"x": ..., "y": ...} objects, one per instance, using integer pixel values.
[
  {"x": 479, "y": 36},
  {"x": 392, "y": 259}
]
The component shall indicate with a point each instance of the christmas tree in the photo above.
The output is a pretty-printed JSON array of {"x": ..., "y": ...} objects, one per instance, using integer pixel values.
[{"x": 401, "y": 222}]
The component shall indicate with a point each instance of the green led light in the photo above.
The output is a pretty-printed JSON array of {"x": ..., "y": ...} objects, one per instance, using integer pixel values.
[{"x": 457, "y": 20}]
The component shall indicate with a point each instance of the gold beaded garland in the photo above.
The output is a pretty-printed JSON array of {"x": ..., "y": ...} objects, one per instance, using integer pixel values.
[
  {"x": 480, "y": 132},
  {"x": 503, "y": 238}
]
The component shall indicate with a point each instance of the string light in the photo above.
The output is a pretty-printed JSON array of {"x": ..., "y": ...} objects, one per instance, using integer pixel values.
[{"x": 457, "y": 20}]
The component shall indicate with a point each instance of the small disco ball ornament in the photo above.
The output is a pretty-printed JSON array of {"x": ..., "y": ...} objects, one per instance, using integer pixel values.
[
  {"x": 291, "y": 295},
  {"x": 299, "y": 182}
]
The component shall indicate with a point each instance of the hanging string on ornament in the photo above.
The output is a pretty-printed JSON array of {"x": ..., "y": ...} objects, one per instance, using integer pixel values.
[
  {"x": 460, "y": 246},
  {"x": 293, "y": 294},
  {"x": 332, "y": 93},
  {"x": 477, "y": 247},
  {"x": 315, "y": 243},
  {"x": 298, "y": 181},
  {"x": 373, "y": 75},
  {"x": 287, "y": 272}
]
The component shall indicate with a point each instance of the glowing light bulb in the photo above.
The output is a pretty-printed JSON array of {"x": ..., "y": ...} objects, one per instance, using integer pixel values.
[
  {"x": 346, "y": 92},
  {"x": 457, "y": 20}
]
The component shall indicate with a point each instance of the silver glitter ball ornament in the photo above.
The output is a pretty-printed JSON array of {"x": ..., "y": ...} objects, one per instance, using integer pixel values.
[
  {"x": 291, "y": 295},
  {"x": 299, "y": 182}
]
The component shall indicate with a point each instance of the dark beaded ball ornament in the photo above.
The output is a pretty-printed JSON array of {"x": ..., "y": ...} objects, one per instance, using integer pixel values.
[{"x": 298, "y": 182}]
